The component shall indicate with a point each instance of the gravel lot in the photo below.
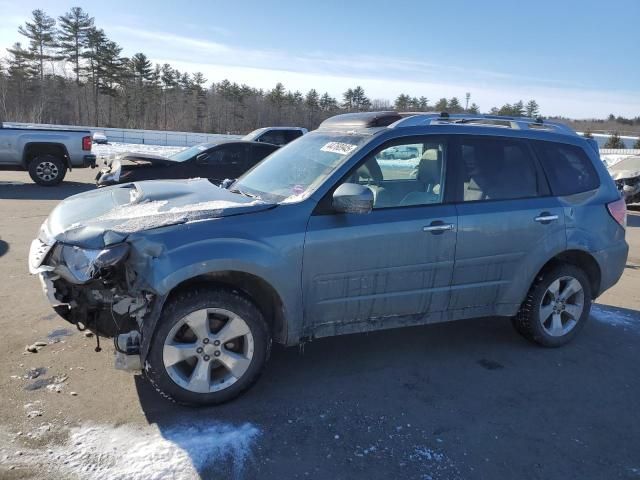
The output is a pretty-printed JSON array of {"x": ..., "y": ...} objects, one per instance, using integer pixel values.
[{"x": 462, "y": 400}]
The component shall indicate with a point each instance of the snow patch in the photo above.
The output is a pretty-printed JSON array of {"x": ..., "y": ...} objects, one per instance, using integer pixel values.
[
  {"x": 133, "y": 210},
  {"x": 112, "y": 149},
  {"x": 611, "y": 159},
  {"x": 145, "y": 215},
  {"x": 615, "y": 317},
  {"x": 180, "y": 452}
]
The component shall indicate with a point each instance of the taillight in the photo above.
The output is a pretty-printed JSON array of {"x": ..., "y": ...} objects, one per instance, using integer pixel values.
[
  {"x": 618, "y": 211},
  {"x": 86, "y": 143}
]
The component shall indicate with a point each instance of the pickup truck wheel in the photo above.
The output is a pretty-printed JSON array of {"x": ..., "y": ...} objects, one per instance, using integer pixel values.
[
  {"x": 47, "y": 170},
  {"x": 556, "y": 308},
  {"x": 210, "y": 346}
]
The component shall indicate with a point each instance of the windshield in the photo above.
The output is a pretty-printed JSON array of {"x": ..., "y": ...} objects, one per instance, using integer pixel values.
[
  {"x": 190, "y": 152},
  {"x": 253, "y": 135},
  {"x": 294, "y": 171}
]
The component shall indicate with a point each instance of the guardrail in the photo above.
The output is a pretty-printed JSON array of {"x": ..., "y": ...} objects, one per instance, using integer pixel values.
[{"x": 137, "y": 136}]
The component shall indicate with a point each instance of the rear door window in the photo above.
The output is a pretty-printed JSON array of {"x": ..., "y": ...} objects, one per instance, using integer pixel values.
[
  {"x": 498, "y": 169},
  {"x": 568, "y": 168},
  {"x": 291, "y": 135},
  {"x": 275, "y": 137}
]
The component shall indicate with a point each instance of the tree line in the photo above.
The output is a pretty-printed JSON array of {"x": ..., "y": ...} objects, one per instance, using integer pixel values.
[{"x": 68, "y": 71}]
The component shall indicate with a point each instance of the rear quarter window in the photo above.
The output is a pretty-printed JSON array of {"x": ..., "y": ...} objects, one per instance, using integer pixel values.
[{"x": 568, "y": 168}]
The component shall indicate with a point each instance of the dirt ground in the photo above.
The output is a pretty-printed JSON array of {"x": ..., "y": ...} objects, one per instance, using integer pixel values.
[{"x": 469, "y": 399}]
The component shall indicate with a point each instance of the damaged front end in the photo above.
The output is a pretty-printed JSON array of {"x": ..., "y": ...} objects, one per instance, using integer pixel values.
[
  {"x": 95, "y": 289},
  {"x": 96, "y": 260}
]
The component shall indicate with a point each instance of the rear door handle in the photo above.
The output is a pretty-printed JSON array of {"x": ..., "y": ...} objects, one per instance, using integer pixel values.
[
  {"x": 546, "y": 218},
  {"x": 438, "y": 227}
]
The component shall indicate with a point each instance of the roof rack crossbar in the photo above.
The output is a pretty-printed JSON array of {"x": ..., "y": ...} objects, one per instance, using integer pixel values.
[{"x": 422, "y": 119}]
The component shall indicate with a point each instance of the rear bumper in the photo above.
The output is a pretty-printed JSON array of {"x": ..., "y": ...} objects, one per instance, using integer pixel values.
[
  {"x": 612, "y": 262},
  {"x": 88, "y": 161}
]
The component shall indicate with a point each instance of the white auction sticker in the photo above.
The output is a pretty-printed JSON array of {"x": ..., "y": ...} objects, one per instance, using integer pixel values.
[{"x": 339, "y": 148}]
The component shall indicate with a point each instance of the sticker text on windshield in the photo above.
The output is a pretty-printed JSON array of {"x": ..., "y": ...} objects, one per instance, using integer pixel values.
[{"x": 339, "y": 148}]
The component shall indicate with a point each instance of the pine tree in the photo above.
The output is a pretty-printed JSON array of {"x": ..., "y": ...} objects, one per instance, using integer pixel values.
[
  {"x": 360, "y": 101},
  {"x": 402, "y": 102},
  {"x": 96, "y": 42},
  {"x": 614, "y": 142},
  {"x": 19, "y": 73},
  {"x": 73, "y": 33},
  {"x": 475, "y": 109},
  {"x": 442, "y": 105},
  {"x": 532, "y": 109},
  {"x": 454, "y": 106},
  {"x": 507, "y": 110},
  {"x": 18, "y": 62},
  {"x": 518, "y": 109},
  {"x": 328, "y": 103},
  {"x": 110, "y": 73},
  {"x": 312, "y": 100},
  {"x": 198, "y": 82},
  {"x": 347, "y": 100},
  {"x": 42, "y": 39},
  {"x": 142, "y": 68}
]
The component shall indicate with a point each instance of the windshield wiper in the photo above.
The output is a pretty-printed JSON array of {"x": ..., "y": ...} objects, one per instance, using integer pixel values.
[{"x": 250, "y": 195}]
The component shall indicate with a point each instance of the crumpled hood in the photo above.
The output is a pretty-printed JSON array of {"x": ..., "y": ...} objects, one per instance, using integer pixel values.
[
  {"x": 627, "y": 168},
  {"x": 108, "y": 215}
]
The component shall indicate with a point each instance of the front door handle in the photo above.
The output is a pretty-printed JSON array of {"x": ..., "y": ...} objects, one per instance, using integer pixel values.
[
  {"x": 546, "y": 217},
  {"x": 438, "y": 227}
]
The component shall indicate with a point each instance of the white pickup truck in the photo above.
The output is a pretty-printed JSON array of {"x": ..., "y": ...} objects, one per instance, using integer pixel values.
[{"x": 46, "y": 154}]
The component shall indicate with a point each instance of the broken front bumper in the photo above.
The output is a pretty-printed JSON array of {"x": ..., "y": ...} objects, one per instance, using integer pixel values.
[{"x": 110, "y": 175}]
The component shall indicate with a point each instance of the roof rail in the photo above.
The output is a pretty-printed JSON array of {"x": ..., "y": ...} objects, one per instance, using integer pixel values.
[{"x": 499, "y": 121}]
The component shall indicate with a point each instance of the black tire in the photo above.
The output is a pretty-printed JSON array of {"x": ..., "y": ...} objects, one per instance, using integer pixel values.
[
  {"x": 47, "y": 170},
  {"x": 527, "y": 321},
  {"x": 191, "y": 301}
]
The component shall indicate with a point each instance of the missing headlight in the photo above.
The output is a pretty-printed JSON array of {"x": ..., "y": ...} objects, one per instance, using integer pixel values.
[{"x": 85, "y": 264}]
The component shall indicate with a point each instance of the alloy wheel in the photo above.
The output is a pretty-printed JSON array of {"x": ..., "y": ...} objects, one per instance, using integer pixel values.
[
  {"x": 561, "y": 306},
  {"x": 208, "y": 350}
]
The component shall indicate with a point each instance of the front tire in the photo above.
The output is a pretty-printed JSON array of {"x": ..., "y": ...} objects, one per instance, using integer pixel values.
[
  {"x": 556, "y": 308},
  {"x": 210, "y": 346},
  {"x": 47, "y": 170}
]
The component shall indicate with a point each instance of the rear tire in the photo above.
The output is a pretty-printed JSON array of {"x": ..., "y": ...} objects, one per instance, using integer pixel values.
[
  {"x": 197, "y": 357},
  {"x": 556, "y": 308},
  {"x": 47, "y": 170}
]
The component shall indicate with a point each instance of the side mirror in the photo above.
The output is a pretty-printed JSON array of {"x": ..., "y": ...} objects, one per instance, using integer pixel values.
[{"x": 352, "y": 198}]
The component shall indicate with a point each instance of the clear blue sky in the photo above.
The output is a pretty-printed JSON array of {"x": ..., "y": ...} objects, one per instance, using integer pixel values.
[{"x": 577, "y": 58}]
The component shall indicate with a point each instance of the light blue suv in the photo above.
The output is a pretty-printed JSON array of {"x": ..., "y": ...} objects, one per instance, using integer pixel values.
[{"x": 340, "y": 231}]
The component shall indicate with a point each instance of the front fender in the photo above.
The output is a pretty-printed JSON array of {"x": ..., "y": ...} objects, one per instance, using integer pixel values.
[
  {"x": 213, "y": 255},
  {"x": 183, "y": 252}
]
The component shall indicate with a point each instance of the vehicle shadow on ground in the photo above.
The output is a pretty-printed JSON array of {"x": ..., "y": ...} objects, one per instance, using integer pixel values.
[
  {"x": 30, "y": 191},
  {"x": 462, "y": 383}
]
